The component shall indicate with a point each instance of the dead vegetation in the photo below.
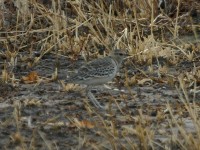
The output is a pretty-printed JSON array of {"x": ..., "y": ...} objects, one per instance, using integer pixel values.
[{"x": 42, "y": 41}]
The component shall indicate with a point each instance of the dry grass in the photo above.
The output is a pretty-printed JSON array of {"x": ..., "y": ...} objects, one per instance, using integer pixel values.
[{"x": 165, "y": 41}]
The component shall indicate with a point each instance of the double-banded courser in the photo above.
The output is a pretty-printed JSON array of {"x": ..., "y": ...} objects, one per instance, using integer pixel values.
[{"x": 98, "y": 72}]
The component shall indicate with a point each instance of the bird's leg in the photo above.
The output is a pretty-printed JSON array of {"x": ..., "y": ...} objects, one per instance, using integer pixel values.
[{"x": 93, "y": 99}]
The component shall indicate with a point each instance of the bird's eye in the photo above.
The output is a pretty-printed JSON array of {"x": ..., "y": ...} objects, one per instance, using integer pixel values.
[{"x": 120, "y": 54}]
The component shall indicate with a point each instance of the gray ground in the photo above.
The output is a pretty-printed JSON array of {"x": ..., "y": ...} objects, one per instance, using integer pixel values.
[{"x": 44, "y": 114}]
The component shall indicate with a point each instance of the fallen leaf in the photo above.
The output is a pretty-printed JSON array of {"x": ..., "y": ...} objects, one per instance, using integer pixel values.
[
  {"x": 32, "y": 77},
  {"x": 69, "y": 86},
  {"x": 17, "y": 137},
  {"x": 83, "y": 124}
]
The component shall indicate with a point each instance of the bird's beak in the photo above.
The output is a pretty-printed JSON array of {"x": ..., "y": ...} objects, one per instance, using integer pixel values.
[{"x": 127, "y": 56}]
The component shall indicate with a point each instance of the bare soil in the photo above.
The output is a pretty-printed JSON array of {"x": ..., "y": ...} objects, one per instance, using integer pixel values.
[{"x": 43, "y": 114}]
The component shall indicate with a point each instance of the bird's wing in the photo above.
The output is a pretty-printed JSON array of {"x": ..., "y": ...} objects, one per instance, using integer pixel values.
[{"x": 102, "y": 67}]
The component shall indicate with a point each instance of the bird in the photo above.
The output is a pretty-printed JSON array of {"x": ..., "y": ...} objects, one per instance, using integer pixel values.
[{"x": 98, "y": 72}]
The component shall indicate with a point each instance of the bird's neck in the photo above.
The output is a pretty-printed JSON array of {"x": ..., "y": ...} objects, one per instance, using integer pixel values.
[{"x": 118, "y": 61}]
